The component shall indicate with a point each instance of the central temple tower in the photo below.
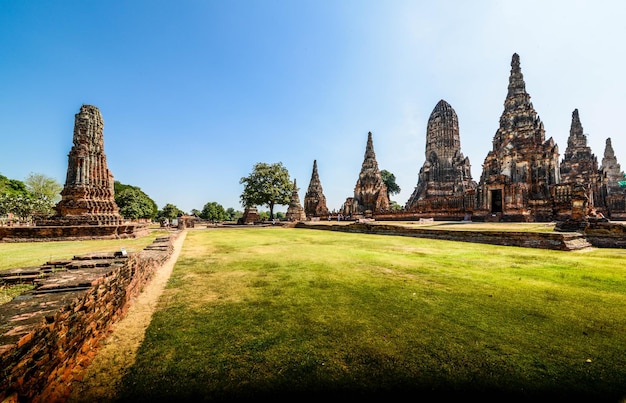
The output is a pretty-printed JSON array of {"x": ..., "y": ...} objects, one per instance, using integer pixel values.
[{"x": 521, "y": 167}]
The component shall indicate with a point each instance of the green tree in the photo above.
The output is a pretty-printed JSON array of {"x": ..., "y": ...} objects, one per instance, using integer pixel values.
[
  {"x": 390, "y": 181},
  {"x": 233, "y": 215},
  {"x": 395, "y": 206},
  {"x": 16, "y": 199},
  {"x": 170, "y": 212},
  {"x": 268, "y": 184},
  {"x": 133, "y": 202},
  {"x": 44, "y": 187},
  {"x": 23, "y": 206},
  {"x": 214, "y": 212},
  {"x": 12, "y": 186}
]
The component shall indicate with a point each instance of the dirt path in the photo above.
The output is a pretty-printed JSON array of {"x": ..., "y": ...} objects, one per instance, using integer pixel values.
[{"x": 118, "y": 351}]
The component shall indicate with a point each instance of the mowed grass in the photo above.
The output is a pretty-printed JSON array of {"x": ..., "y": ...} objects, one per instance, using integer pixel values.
[
  {"x": 27, "y": 254},
  {"x": 275, "y": 312},
  {"x": 30, "y": 254}
]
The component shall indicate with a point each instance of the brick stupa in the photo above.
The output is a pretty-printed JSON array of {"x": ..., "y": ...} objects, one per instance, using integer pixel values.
[
  {"x": 295, "y": 212},
  {"x": 612, "y": 170},
  {"x": 580, "y": 165},
  {"x": 314, "y": 199},
  {"x": 370, "y": 192},
  {"x": 88, "y": 196}
]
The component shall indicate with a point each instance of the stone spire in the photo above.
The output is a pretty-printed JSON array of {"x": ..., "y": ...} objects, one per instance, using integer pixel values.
[
  {"x": 517, "y": 86},
  {"x": 579, "y": 164},
  {"x": 295, "y": 212},
  {"x": 446, "y": 172},
  {"x": 370, "y": 192},
  {"x": 88, "y": 195},
  {"x": 521, "y": 167},
  {"x": 314, "y": 200},
  {"x": 519, "y": 120},
  {"x": 611, "y": 169}
]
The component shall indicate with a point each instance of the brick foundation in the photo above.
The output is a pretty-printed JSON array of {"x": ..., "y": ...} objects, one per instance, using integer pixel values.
[{"x": 49, "y": 335}]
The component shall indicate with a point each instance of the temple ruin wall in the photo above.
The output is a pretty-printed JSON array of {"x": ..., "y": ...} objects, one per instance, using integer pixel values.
[{"x": 49, "y": 335}]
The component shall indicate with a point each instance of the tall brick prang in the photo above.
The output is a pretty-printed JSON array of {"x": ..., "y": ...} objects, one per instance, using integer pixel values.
[
  {"x": 88, "y": 197},
  {"x": 445, "y": 176}
]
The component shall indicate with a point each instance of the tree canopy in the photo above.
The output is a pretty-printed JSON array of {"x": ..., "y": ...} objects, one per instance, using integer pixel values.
[
  {"x": 44, "y": 187},
  {"x": 12, "y": 186},
  {"x": 170, "y": 212},
  {"x": 213, "y": 211},
  {"x": 233, "y": 214},
  {"x": 267, "y": 184},
  {"x": 390, "y": 181},
  {"x": 133, "y": 202},
  {"x": 26, "y": 201}
]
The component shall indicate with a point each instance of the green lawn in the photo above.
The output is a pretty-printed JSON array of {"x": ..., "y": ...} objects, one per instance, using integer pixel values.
[
  {"x": 27, "y": 254},
  {"x": 267, "y": 312}
]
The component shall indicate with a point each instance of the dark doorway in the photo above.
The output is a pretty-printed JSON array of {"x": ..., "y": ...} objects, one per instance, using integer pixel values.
[{"x": 496, "y": 200}]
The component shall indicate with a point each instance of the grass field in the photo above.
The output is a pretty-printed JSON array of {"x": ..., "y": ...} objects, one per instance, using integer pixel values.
[
  {"x": 30, "y": 254},
  {"x": 276, "y": 312},
  {"x": 27, "y": 254}
]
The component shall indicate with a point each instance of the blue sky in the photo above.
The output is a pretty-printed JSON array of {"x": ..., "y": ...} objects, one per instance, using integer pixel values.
[{"x": 194, "y": 93}]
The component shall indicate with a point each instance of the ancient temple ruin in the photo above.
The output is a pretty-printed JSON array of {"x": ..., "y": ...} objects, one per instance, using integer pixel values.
[
  {"x": 614, "y": 191},
  {"x": 579, "y": 166},
  {"x": 612, "y": 170},
  {"x": 579, "y": 163},
  {"x": 314, "y": 199},
  {"x": 445, "y": 188},
  {"x": 295, "y": 212},
  {"x": 88, "y": 196},
  {"x": 522, "y": 166},
  {"x": 370, "y": 192}
]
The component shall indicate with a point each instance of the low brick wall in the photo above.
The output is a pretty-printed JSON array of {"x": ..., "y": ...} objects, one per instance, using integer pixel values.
[
  {"x": 543, "y": 240},
  {"x": 606, "y": 234},
  {"x": 71, "y": 232},
  {"x": 50, "y": 334}
]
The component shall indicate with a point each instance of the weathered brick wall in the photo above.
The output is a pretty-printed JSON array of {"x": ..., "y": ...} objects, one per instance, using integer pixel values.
[
  {"x": 548, "y": 240},
  {"x": 48, "y": 336},
  {"x": 76, "y": 232}
]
